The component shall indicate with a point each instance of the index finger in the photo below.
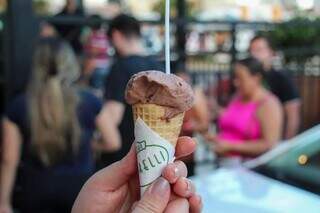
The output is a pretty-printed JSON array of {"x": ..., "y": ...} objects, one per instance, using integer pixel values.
[{"x": 185, "y": 146}]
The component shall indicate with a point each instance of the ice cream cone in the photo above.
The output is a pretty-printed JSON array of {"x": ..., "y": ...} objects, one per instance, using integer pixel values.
[
  {"x": 158, "y": 101},
  {"x": 151, "y": 114}
]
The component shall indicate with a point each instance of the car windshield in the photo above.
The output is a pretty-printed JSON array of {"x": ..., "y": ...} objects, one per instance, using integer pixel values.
[{"x": 296, "y": 162}]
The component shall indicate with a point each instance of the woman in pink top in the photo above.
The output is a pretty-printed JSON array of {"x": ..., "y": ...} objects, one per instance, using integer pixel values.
[{"x": 252, "y": 123}]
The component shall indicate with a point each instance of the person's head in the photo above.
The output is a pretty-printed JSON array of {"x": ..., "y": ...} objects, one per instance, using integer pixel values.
[
  {"x": 124, "y": 32},
  {"x": 54, "y": 124},
  {"x": 96, "y": 23},
  {"x": 47, "y": 30},
  {"x": 261, "y": 48},
  {"x": 248, "y": 76},
  {"x": 71, "y": 6}
]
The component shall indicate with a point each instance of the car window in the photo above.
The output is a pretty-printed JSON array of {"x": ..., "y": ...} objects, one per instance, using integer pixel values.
[
  {"x": 313, "y": 161},
  {"x": 300, "y": 164}
]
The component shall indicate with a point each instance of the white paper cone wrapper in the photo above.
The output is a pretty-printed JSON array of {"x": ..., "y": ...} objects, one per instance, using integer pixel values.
[{"x": 153, "y": 154}]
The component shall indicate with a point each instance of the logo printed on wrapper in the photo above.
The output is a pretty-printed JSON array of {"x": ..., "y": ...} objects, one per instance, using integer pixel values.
[{"x": 155, "y": 156}]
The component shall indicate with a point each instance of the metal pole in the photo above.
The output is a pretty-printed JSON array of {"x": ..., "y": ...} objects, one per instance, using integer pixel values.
[
  {"x": 234, "y": 40},
  {"x": 20, "y": 35},
  {"x": 167, "y": 37},
  {"x": 181, "y": 32},
  {"x": 81, "y": 5}
]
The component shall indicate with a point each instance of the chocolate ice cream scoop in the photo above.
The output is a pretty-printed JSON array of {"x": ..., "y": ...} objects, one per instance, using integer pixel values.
[{"x": 155, "y": 87}]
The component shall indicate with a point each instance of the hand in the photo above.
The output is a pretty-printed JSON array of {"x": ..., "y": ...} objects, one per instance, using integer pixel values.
[
  {"x": 116, "y": 188},
  {"x": 210, "y": 137},
  {"x": 6, "y": 208},
  {"x": 222, "y": 148}
]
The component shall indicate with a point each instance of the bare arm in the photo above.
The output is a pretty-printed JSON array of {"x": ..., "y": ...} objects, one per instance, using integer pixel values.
[
  {"x": 201, "y": 111},
  {"x": 292, "y": 114},
  {"x": 107, "y": 122},
  {"x": 271, "y": 119},
  {"x": 9, "y": 160}
]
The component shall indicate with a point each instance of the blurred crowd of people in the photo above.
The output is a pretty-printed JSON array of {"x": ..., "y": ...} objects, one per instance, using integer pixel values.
[{"x": 73, "y": 118}]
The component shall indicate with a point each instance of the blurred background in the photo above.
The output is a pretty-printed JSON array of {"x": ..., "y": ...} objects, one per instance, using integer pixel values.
[{"x": 207, "y": 38}]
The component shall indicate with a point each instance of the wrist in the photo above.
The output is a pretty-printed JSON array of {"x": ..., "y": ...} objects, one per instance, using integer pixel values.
[
  {"x": 234, "y": 147},
  {"x": 5, "y": 202},
  {"x": 4, "y": 199},
  {"x": 229, "y": 147}
]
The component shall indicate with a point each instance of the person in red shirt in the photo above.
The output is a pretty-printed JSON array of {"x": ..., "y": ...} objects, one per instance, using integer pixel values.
[{"x": 96, "y": 54}]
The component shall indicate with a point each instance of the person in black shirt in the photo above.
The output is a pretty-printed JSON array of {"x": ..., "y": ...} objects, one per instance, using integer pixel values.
[
  {"x": 116, "y": 117},
  {"x": 279, "y": 84},
  {"x": 71, "y": 32}
]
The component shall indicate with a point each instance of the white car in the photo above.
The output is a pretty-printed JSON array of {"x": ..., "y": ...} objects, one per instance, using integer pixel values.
[{"x": 286, "y": 179}]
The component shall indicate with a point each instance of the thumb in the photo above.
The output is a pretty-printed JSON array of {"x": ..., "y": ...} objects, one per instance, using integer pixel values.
[
  {"x": 155, "y": 199},
  {"x": 122, "y": 170}
]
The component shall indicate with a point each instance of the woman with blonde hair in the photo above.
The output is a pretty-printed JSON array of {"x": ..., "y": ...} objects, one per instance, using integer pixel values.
[{"x": 47, "y": 152}]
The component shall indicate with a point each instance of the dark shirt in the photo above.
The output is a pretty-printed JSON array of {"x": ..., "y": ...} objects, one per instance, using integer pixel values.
[
  {"x": 282, "y": 86},
  {"x": 87, "y": 110},
  {"x": 39, "y": 188},
  {"x": 115, "y": 87}
]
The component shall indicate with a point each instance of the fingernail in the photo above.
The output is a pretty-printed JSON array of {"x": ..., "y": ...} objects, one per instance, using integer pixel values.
[
  {"x": 188, "y": 185},
  {"x": 175, "y": 172},
  {"x": 160, "y": 187}
]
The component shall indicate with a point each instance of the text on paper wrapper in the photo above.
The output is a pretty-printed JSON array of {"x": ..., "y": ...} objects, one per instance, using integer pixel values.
[{"x": 151, "y": 157}]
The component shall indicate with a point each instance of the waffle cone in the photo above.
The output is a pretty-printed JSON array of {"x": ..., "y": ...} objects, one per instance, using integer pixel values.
[{"x": 151, "y": 114}]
